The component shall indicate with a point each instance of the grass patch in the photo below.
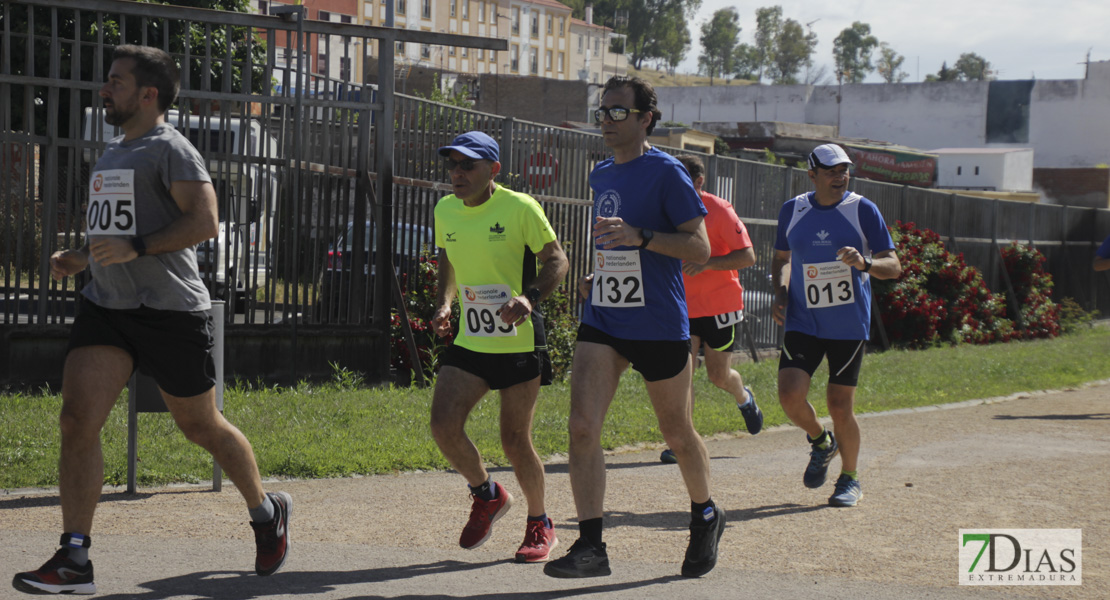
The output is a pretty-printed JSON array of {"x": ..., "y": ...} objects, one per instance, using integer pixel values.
[{"x": 342, "y": 429}]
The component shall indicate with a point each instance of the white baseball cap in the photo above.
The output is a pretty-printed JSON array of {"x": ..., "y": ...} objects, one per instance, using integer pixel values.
[{"x": 828, "y": 156}]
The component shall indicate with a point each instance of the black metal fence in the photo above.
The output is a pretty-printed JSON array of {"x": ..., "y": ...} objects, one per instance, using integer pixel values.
[{"x": 295, "y": 154}]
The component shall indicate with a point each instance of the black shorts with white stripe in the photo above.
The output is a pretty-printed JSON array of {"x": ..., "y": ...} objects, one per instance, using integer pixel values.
[{"x": 805, "y": 352}]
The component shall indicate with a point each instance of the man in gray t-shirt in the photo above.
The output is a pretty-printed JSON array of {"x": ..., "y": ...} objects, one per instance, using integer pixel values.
[{"x": 151, "y": 201}]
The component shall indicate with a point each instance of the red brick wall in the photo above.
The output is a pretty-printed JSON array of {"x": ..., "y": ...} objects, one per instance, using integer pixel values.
[{"x": 1087, "y": 187}]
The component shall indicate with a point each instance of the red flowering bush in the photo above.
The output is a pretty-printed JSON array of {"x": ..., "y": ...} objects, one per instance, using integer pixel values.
[
  {"x": 1032, "y": 290},
  {"x": 939, "y": 298},
  {"x": 419, "y": 292}
]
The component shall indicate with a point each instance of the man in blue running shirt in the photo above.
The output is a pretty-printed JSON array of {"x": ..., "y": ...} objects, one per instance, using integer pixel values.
[
  {"x": 648, "y": 218},
  {"x": 1102, "y": 256},
  {"x": 833, "y": 241}
]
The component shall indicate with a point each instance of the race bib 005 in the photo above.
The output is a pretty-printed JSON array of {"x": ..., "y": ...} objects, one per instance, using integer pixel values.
[{"x": 111, "y": 203}]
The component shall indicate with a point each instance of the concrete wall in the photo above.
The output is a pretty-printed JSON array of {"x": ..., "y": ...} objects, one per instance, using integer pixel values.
[
  {"x": 1003, "y": 171},
  {"x": 1069, "y": 120},
  {"x": 538, "y": 99}
]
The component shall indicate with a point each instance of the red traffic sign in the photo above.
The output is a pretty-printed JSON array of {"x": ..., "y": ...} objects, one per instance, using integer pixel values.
[{"x": 541, "y": 170}]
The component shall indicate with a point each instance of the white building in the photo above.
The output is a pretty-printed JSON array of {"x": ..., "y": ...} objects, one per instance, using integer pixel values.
[
  {"x": 1067, "y": 122},
  {"x": 989, "y": 169}
]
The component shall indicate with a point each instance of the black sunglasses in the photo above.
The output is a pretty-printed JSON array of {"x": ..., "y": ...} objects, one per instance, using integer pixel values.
[
  {"x": 467, "y": 164},
  {"x": 616, "y": 113}
]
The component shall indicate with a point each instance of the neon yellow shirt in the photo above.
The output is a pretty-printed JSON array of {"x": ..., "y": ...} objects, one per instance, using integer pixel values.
[{"x": 492, "y": 249}]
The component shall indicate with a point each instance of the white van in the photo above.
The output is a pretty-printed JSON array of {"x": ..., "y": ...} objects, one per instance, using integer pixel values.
[{"x": 242, "y": 162}]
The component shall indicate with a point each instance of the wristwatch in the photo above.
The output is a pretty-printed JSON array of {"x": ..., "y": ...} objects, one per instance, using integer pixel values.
[
  {"x": 647, "y": 235},
  {"x": 533, "y": 295},
  {"x": 139, "y": 245},
  {"x": 866, "y": 264}
]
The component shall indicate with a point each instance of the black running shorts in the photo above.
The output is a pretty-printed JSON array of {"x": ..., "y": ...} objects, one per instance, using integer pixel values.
[
  {"x": 501, "y": 371},
  {"x": 720, "y": 339},
  {"x": 173, "y": 347},
  {"x": 656, "y": 360},
  {"x": 805, "y": 352}
]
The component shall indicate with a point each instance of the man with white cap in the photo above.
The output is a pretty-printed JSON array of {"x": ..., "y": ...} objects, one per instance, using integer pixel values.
[
  {"x": 490, "y": 238},
  {"x": 834, "y": 241}
]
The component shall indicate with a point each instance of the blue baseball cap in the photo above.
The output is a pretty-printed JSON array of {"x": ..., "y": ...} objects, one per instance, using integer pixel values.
[{"x": 474, "y": 144}]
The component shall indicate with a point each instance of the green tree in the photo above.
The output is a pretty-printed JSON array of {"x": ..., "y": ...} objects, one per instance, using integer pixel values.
[
  {"x": 655, "y": 27},
  {"x": 718, "y": 42},
  {"x": 745, "y": 62},
  {"x": 972, "y": 67},
  {"x": 793, "y": 50},
  {"x": 852, "y": 52},
  {"x": 768, "y": 26},
  {"x": 890, "y": 64},
  {"x": 944, "y": 74}
]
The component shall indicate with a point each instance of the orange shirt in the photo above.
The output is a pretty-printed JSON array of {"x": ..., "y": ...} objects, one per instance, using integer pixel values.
[{"x": 712, "y": 293}]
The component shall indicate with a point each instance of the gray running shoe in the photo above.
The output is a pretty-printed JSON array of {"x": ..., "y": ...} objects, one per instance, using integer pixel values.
[
  {"x": 753, "y": 417},
  {"x": 819, "y": 461},
  {"x": 848, "y": 492},
  {"x": 701, "y": 554},
  {"x": 583, "y": 560}
]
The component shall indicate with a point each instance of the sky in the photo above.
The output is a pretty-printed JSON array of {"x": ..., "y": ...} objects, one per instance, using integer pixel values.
[{"x": 1022, "y": 39}]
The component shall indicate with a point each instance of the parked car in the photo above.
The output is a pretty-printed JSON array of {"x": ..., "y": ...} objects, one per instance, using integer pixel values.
[
  {"x": 409, "y": 240},
  {"x": 248, "y": 266}
]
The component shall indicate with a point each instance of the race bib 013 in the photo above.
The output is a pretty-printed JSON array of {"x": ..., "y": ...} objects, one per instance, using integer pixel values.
[{"x": 828, "y": 284}]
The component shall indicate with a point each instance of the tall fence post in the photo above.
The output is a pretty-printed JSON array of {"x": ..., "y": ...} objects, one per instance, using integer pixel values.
[{"x": 507, "y": 145}]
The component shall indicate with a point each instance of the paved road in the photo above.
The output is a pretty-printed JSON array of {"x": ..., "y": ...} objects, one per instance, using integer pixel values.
[{"x": 1036, "y": 461}]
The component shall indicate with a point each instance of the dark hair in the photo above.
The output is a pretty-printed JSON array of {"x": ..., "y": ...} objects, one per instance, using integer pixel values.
[
  {"x": 644, "y": 94},
  {"x": 153, "y": 68},
  {"x": 693, "y": 165}
]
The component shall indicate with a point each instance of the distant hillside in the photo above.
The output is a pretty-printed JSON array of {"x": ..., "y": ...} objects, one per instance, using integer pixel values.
[{"x": 662, "y": 79}]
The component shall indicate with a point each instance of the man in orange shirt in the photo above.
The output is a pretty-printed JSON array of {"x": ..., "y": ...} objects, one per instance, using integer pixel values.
[{"x": 714, "y": 298}]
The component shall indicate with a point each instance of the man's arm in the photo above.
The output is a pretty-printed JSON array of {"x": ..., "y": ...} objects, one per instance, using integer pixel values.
[
  {"x": 445, "y": 293},
  {"x": 884, "y": 265},
  {"x": 553, "y": 271},
  {"x": 198, "y": 222},
  {"x": 780, "y": 282},
  {"x": 733, "y": 261},
  {"x": 690, "y": 242}
]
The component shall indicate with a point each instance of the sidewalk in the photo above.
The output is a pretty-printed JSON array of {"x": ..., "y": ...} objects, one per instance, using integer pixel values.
[{"x": 1039, "y": 461}]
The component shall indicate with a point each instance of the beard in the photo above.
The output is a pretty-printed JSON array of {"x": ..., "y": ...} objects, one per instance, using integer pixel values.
[{"x": 118, "y": 115}]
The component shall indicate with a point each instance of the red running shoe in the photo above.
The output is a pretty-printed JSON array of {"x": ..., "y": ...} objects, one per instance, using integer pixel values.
[
  {"x": 539, "y": 541},
  {"x": 59, "y": 575},
  {"x": 272, "y": 537},
  {"x": 483, "y": 515}
]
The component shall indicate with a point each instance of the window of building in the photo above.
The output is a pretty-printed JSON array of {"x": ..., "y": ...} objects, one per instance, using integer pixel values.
[
  {"x": 465, "y": 52},
  {"x": 425, "y": 51},
  {"x": 400, "y": 7},
  {"x": 482, "y": 12},
  {"x": 451, "y": 51},
  {"x": 976, "y": 170},
  {"x": 345, "y": 18},
  {"x": 550, "y": 24},
  {"x": 959, "y": 170},
  {"x": 535, "y": 61},
  {"x": 426, "y": 9},
  {"x": 454, "y": 7},
  {"x": 322, "y": 63},
  {"x": 263, "y": 7},
  {"x": 597, "y": 46},
  {"x": 481, "y": 54},
  {"x": 562, "y": 26},
  {"x": 535, "y": 25},
  {"x": 323, "y": 15},
  {"x": 562, "y": 61},
  {"x": 580, "y": 43},
  {"x": 516, "y": 20},
  {"x": 547, "y": 60},
  {"x": 514, "y": 63},
  {"x": 399, "y": 48},
  {"x": 466, "y": 9},
  {"x": 493, "y": 13}
]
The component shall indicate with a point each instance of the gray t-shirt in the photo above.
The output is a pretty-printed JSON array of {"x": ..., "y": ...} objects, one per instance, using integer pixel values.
[{"x": 129, "y": 195}]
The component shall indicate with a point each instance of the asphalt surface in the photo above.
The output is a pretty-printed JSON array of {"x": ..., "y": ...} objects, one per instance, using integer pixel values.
[{"x": 1036, "y": 460}]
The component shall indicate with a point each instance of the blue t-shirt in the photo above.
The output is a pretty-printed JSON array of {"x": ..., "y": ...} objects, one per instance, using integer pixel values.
[
  {"x": 655, "y": 192},
  {"x": 1104, "y": 249},
  {"x": 828, "y": 299}
]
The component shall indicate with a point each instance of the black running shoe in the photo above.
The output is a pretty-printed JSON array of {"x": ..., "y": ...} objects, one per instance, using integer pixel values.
[
  {"x": 819, "y": 460},
  {"x": 583, "y": 560},
  {"x": 701, "y": 555},
  {"x": 272, "y": 538},
  {"x": 753, "y": 417},
  {"x": 59, "y": 575}
]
